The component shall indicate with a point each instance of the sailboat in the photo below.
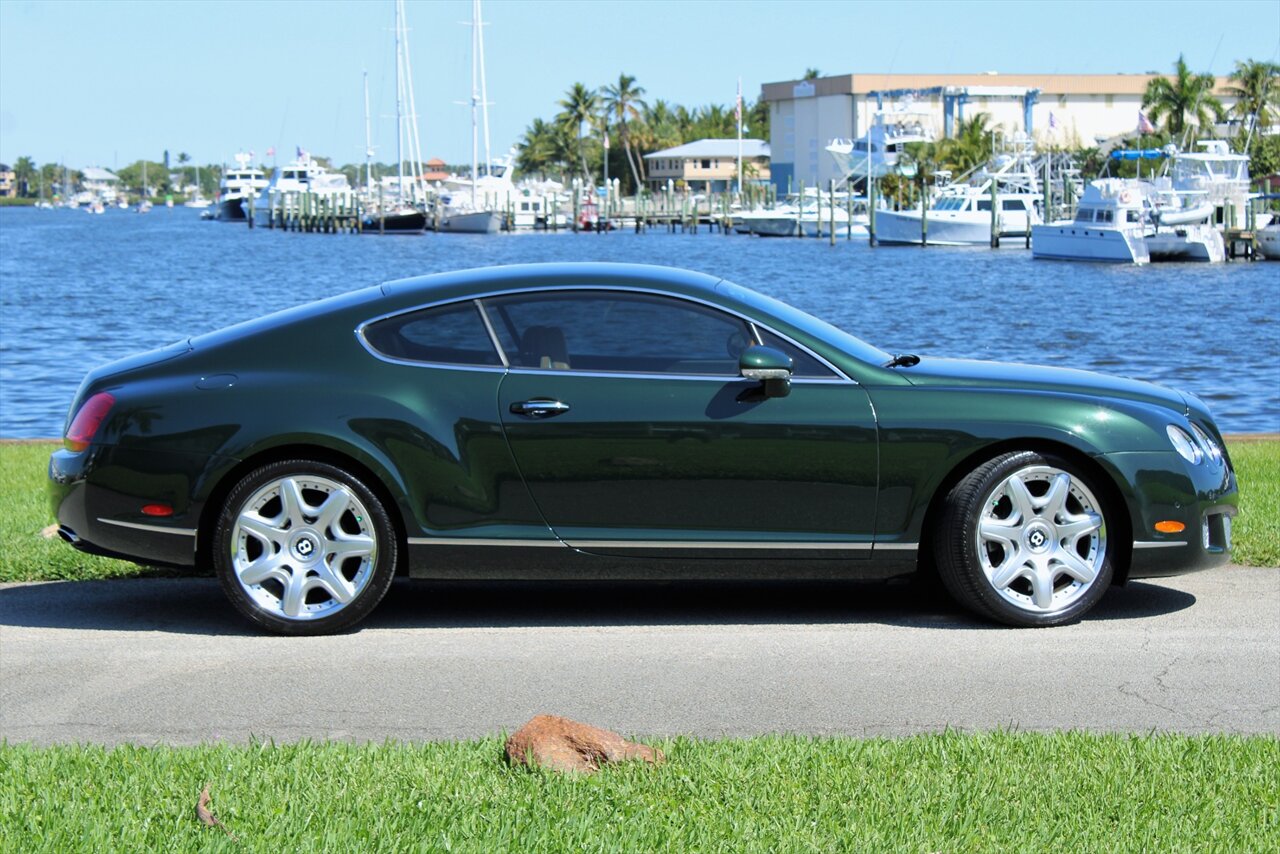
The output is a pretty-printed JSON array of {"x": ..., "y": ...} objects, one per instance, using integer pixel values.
[
  {"x": 198, "y": 201},
  {"x": 144, "y": 206},
  {"x": 398, "y": 215},
  {"x": 462, "y": 212}
]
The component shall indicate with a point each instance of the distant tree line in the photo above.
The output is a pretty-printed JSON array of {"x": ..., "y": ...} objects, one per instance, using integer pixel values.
[{"x": 571, "y": 144}]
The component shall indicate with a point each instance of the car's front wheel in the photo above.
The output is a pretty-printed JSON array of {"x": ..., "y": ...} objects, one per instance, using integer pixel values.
[
  {"x": 1023, "y": 540},
  {"x": 304, "y": 548}
]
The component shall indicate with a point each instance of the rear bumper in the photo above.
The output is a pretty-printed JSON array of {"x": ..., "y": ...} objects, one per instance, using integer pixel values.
[{"x": 98, "y": 494}]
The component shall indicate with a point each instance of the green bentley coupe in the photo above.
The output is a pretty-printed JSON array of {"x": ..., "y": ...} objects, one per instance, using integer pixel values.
[{"x": 601, "y": 421}]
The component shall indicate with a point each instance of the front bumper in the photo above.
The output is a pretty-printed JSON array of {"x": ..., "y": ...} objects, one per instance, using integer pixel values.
[{"x": 1162, "y": 488}]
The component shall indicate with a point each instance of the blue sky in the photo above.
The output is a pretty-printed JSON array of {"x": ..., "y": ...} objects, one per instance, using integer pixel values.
[{"x": 104, "y": 83}]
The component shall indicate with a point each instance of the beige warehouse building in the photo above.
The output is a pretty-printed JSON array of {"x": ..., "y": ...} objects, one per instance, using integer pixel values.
[{"x": 1062, "y": 110}]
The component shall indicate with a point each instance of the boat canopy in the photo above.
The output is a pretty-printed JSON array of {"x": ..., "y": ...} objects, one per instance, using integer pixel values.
[{"x": 1137, "y": 154}]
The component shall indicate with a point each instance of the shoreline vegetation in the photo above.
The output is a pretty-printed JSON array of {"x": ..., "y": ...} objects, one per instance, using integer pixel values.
[{"x": 27, "y": 554}]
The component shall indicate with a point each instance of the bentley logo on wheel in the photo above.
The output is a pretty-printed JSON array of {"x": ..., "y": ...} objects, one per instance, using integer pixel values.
[
  {"x": 1037, "y": 539},
  {"x": 305, "y": 547}
]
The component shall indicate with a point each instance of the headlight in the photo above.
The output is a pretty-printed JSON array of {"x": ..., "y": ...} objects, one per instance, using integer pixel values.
[
  {"x": 1211, "y": 447},
  {"x": 1184, "y": 444}
]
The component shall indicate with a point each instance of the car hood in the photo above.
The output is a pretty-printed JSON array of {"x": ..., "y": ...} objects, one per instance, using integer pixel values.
[{"x": 974, "y": 374}]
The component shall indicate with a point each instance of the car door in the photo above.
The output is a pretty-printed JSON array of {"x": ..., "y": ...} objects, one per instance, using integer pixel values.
[{"x": 635, "y": 433}]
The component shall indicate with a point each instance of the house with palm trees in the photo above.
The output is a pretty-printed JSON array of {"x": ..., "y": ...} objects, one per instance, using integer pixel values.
[{"x": 708, "y": 165}]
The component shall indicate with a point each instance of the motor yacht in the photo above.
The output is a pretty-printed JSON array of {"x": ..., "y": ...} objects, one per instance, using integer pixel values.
[
  {"x": 961, "y": 214},
  {"x": 237, "y": 185},
  {"x": 876, "y": 153},
  {"x": 283, "y": 193},
  {"x": 1111, "y": 224}
]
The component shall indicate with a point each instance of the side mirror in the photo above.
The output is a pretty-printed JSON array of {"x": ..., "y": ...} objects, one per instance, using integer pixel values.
[{"x": 770, "y": 366}]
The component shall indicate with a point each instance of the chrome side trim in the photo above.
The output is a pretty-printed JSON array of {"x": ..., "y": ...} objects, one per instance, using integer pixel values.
[
  {"x": 736, "y": 545},
  {"x": 622, "y": 375},
  {"x": 158, "y": 529},
  {"x": 1149, "y": 544},
  {"x": 481, "y": 541}
]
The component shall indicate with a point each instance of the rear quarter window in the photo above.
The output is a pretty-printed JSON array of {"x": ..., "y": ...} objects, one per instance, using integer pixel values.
[{"x": 445, "y": 335}]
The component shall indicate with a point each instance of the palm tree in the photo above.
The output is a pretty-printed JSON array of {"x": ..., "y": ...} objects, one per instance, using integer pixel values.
[
  {"x": 971, "y": 146},
  {"x": 24, "y": 172},
  {"x": 1185, "y": 95},
  {"x": 1258, "y": 90},
  {"x": 579, "y": 107},
  {"x": 623, "y": 102},
  {"x": 540, "y": 149}
]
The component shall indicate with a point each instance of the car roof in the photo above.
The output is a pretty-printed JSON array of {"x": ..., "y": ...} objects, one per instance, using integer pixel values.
[{"x": 464, "y": 283}]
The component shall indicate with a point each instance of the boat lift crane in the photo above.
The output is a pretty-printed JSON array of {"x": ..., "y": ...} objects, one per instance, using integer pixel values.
[{"x": 955, "y": 97}]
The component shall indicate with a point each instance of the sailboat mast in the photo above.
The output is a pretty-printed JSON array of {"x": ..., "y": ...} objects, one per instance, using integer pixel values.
[
  {"x": 475, "y": 95},
  {"x": 399, "y": 101},
  {"x": 368, "y": 140},
  {"x": 484, "y": 90}
]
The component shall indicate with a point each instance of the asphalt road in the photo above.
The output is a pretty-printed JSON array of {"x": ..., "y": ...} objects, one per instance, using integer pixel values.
[{"x": 168, "y": 661}]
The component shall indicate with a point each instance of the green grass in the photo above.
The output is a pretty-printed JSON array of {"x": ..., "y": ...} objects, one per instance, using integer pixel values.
[
  {"x": 1256, "y": 531},
  {"x": 27, "y": 556},
  {"x": 946, "y": 792}
]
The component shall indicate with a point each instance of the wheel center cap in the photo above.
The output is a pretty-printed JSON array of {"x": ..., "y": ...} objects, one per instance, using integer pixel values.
[
  {"x": 305, "y": 546},
  {"x": 1039, "y": 538}
]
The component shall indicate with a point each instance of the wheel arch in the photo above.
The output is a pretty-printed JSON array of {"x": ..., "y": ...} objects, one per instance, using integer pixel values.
[
  {"x": 298, "y": 451},
  {"x": 1120, "y": 536}
]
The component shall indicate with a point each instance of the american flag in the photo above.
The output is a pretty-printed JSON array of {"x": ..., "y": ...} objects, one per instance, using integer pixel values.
[
  {"x": 737, "y": 110},
  {"x": 271, "y": 152},
  {"x": 1144, "y": 123}
]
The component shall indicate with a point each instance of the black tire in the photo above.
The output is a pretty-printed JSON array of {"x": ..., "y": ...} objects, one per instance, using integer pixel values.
[
  {"x": 1005, "y": 559},
  {"x": 288, "y": 570}
]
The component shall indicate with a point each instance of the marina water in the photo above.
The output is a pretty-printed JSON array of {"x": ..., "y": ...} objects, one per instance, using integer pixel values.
[{"x": 79, "y": 290}]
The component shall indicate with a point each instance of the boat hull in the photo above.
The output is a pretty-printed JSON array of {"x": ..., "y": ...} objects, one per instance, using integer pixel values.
[
  {"x": 780, "y": 226},
  {"x": 229, "y": 209},
  {"x": 1195, "y": 243},
  {"x": 904, "y": 227},
  {"x": 1269, "y": 243},
  {"x": 1071, "y": 242},
  {"x": 401, "y": 222},
  {"x": 474, "y": 222}
]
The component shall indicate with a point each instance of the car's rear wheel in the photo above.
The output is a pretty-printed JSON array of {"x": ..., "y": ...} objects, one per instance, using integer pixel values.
[
  {"x": 1023, "y": 540},
  {"x": 304, "y": 548}
]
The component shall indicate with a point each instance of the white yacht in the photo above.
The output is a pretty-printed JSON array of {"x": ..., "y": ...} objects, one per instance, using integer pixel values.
[
  {"x": 778, "y": 221},
  {"x": 287, "y": 185},
  {"x": 1111, "y": 224},
  {"x": 876, "y": 152},
  {"x": 961, "y": 214},
  {"x": 237, "y": 185}
]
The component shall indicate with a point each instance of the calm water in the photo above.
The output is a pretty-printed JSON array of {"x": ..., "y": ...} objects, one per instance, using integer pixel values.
[{"x": 78, "y": 290}]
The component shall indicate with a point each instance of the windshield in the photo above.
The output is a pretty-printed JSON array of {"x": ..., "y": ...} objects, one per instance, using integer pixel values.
[{"x": 833, "y": 335}]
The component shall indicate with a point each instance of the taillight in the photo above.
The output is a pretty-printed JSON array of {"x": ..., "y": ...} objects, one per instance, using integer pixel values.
[{"x": 87, "y": 421}]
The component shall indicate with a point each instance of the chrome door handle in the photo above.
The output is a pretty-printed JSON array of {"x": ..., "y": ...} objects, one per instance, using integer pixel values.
[{"x": 539, "y": 408}]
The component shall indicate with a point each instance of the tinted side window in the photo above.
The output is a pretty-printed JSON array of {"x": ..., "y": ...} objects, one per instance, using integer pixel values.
[
  {"x": 802, "y": 364},
  {"x": 617, "y": 332},
  {"x": 451, "y": 335}
]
